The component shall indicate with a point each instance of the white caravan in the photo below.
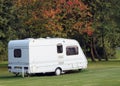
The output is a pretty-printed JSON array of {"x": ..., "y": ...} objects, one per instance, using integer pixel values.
[{"x": 42, "y": 55}]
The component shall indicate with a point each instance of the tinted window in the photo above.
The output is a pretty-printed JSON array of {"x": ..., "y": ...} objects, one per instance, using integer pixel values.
[
  {"x": 59, "y": 48},
  {"x": 71, "y": 50},
  {"x": 17, "y": 53}
]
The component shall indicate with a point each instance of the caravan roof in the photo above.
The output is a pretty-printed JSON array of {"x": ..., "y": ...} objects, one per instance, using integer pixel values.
[{"x": 40, "y": 41}]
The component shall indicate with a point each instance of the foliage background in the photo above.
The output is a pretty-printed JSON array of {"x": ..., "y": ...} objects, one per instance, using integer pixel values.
[{"x": 94, "y": 23}]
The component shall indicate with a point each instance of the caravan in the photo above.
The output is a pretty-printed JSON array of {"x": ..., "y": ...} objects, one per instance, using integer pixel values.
[{"x": 42, "y": 55}]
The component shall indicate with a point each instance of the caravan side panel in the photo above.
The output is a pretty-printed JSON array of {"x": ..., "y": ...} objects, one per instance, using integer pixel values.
[{"x": 43, "y": 57}]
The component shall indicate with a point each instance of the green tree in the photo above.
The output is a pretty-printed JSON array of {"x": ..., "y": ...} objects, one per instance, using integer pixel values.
[
  {"x": 106, "y": 32},
  {"x": 7, "y": 21},
  {"x": 32, "y": 24}
]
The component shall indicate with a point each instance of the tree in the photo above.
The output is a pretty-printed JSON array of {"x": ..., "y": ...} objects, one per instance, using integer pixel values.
[
  {"x": 7, "y": 21},
  {"x": 56, "y": 18},
  {"x": 91, "y": 22},
  {"x": 105, "y": 27},
  {"x": 66, "y": 16},
  {"x": 31, "y": 19},
  {"x": 61, "y": 18}
]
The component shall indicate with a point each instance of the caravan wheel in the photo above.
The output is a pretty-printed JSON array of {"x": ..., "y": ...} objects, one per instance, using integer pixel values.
[
  {"x": 80, "y": 70},
  {"x": 16, "y": 74},
  {"x": 58, "y": 71}
]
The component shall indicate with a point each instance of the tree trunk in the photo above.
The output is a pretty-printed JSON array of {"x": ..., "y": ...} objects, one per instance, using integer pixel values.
[
  {"x": 103, "y": 45},
  {"x": 92, "y": 52},
  {"x": 105, "y": 56},
  {"x": 95, "y": 51}
]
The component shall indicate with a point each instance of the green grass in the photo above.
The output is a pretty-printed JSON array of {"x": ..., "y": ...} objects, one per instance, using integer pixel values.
[{"x": 97, "y": 74}]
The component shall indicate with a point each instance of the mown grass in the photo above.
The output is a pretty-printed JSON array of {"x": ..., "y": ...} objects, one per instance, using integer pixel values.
[{"x": 97, "y": 74}]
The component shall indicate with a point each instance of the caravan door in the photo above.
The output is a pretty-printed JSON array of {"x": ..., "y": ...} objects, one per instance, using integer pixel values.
[{"x": 60, "y": 54}]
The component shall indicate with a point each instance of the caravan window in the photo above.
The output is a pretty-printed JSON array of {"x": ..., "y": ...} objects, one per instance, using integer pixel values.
[
  {"x": 17, "y": 53},
  {"x": 71, "y": 50},
  {"x": 59, "y": 48}
]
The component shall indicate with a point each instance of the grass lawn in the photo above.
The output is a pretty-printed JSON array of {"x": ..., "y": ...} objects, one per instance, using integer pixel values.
[{"x": 97, "y": 74}]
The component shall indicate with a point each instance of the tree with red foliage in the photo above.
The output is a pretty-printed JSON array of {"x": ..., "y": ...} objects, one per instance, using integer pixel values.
[
  {"x": 59, "y": 18},
  {"x": 69, "y": 14}
]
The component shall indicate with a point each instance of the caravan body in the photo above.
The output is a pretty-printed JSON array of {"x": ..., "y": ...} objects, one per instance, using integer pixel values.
[{"x": 43, "y": 55}]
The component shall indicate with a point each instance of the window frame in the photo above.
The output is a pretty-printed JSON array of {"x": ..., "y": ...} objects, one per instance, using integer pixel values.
[
  {"x": 59, "y": 48},
  {"x": 72, "y": 50},
  {"x": 17, "y": 53}
]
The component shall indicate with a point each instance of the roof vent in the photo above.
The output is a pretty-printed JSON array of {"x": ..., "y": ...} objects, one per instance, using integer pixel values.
[
  {"x": 48, "y": 37},
  {"x": 29, "y": 38}
]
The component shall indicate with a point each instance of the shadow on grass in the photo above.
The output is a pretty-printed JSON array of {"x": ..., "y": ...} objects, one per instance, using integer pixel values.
[
  {"x": 103, "y": 61},
  {"x": 4, "y": 77},
  {"x": 7, "y": 77}
]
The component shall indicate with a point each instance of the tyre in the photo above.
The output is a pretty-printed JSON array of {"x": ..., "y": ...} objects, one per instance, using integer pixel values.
[
  {"x": 58, "y": 72},
  {"x": 80, "y": 70},
  {"x": 16, "y": 74}
]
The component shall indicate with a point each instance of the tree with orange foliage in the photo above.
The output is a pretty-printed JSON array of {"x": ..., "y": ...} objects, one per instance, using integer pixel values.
[
  {"x": 58, "y": 18},
  {"x": 67, "y": 17},
  {"x": 68, "y": 14}
]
